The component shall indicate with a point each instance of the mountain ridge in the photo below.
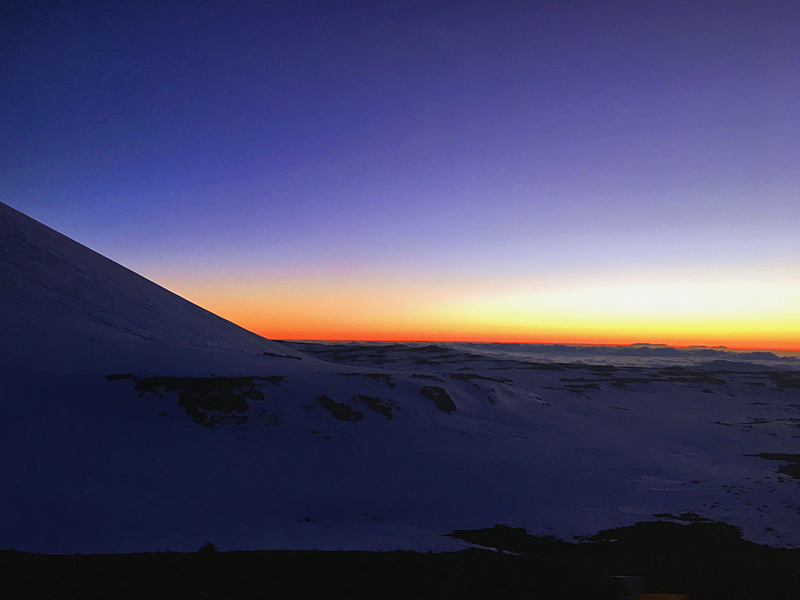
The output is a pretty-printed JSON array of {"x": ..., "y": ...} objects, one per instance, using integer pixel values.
[{"x": 100, "y": 298}]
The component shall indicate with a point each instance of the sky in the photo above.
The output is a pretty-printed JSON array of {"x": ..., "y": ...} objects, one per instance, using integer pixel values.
[{"x": 556, "y": 172}]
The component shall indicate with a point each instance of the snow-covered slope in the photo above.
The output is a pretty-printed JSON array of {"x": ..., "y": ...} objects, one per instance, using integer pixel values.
[
  {"x": 132, "y": 420},
  {"x": 53, "y": 284}
]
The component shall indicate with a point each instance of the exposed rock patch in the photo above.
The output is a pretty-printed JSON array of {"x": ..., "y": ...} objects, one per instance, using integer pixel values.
[
  {"x": 343, "y": 412},
  {"x": 792, "y": 469},
  {"x": 377, "y": 405},
  {"x": 440, "y": 396},
  {"x": 209, "y": 401},
  {"x": 377, "y": 377}
]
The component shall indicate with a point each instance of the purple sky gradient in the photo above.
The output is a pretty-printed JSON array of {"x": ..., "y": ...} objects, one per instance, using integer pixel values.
[{"x": 491, "y": 141}]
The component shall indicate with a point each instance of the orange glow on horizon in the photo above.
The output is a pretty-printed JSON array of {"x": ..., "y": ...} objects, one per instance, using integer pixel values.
[
  {"x": 770, "y": 335},
  {"x": 747, "y": 315},
  {"x": 596, "y": 335},
  {"x": 575, "y": 340}
]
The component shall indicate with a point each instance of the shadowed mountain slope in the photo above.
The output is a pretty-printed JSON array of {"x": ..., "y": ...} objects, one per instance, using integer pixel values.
[{"x": 55, "y": 287}]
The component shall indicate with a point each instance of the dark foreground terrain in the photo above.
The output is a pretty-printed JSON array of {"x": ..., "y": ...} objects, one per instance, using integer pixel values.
[{"x": 682, "y": 555}]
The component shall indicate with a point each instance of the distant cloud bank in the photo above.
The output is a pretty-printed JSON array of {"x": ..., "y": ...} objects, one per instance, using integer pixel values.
[{"x": 641, "y": 355}]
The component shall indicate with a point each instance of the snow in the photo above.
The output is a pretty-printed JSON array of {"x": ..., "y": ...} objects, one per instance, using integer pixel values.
[
  {"x": 61, "y": 285},
  {"x": 90, "y": 464}
]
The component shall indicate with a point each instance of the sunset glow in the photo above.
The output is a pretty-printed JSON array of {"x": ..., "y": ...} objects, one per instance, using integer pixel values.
[{"x": 753, "y": 313}]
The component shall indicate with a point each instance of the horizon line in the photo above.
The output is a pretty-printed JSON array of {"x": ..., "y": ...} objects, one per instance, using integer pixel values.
[{"x": 449, "y": 341}]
